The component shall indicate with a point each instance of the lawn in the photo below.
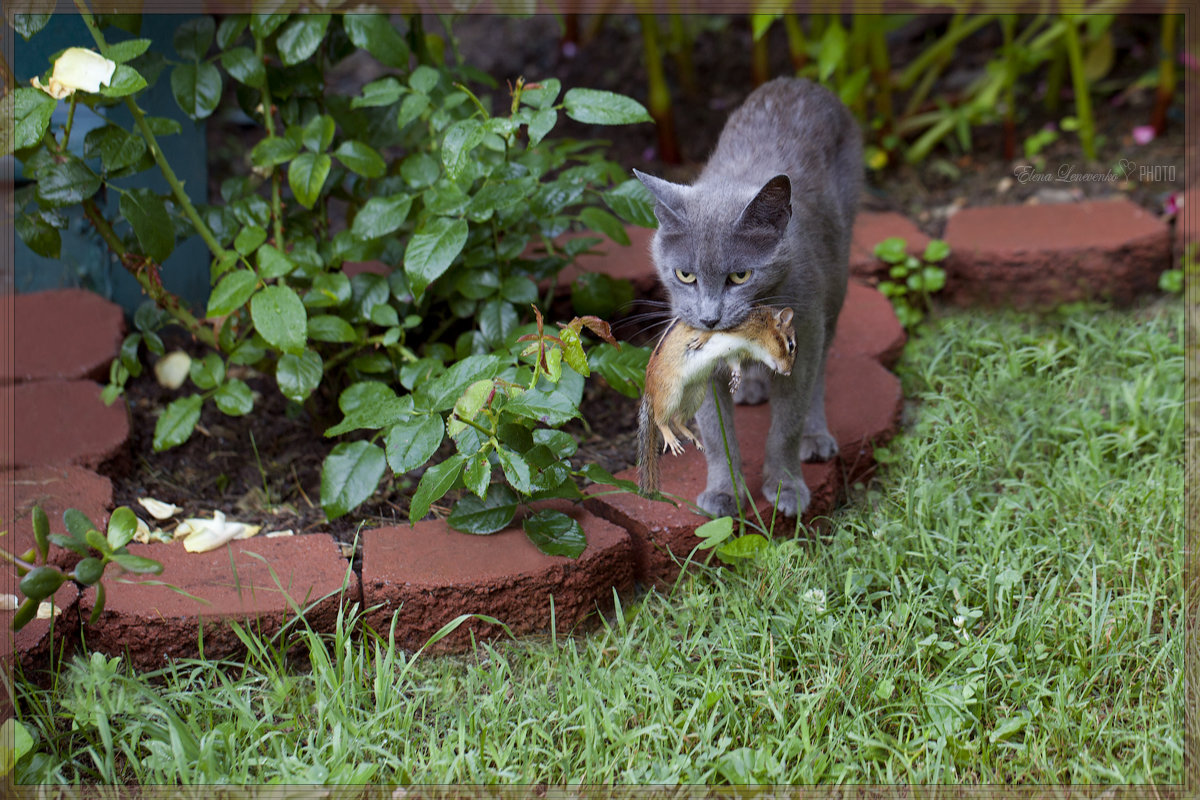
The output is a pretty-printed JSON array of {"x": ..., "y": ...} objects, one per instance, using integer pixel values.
[{"x": 1002, "y": 603}]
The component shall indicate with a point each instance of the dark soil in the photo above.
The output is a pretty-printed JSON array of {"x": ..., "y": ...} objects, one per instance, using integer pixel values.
[{"x": 265, "y": 468}]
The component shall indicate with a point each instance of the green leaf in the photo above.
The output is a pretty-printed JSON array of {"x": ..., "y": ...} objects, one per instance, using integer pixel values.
[
  {"x": 115, "y": 147},
  {"x": 601, "y": 295},
  {"x": 600, "y": 220},
  {"x": 273, "y": 150},
  {"x": 97, "y": 605},
  {"x": 244, "y": 66},
  {"x": 560, "y": 443},
  {"x": 542, "y": 94},
  {"x": 263, "y": 25},
  {"x": 596, "y": 107},
  {"x": 66, "y": 184},
  {"x": 632, "y": 202},
  {"x": 122, "y": 525},
  {"x": 306, "y": 176},
  {"x": 383, "y": 92},
  {"x": 89, "y": 571},
  {"x": 892, "y": 250},
  {"x": 381, "y": 216},
  {"x": 77, "y": 524},
  {"x": 194, "y": 37},
  {"x": 443, "y": 392},
  {"x": 25, "y": 613},
  {"x": 424, "y": 78},
  {"x": 147, "y": 214},
  {"x": 137, "y": 564},
  {"x": 572, "y": 351},
  {"x": 413, "y": 442},
  {"x": 748, "y": 546},
  {"x": 519, "y": 290},
  {"x": 125, "y": 81},
  {"x": 301, "y": 37},
  {"x": 299, "y": 374},
  {"x": 41, "y": 582},
  {"x": 230, "y": 30},
  {"x": 41, "y": 532},
  {"x": 280, "y": 318},
  {"x": 197, "y": 88},
  {"x": 412, "y": 107},
  {"x": 375, "y": 34},
  {"x": 27, "y": 25},
  {"x": 38, "y": 234},
  {"x": 273, "y": 262},
  {"x": 477, "y": 474},
  {"x": 555, "y": 534},
  {"x": 461, "y": 138},
  {"x": 378, "y": 410},
  {"x": 598, "y": 474},
  {"x": 434, "y": 484},
  {"x": 935, "y": 251},
  {"x": 330, "y": 328},
  {"x": 361, "y": 159},
  {"x": 208, "y": 372},
  {"x": 833, "y": 48},
  {"x": 548, "y": 408},
  {"x": 231, "y": 293},
  {"x": 624, "y": 369},
  {"x": 432, "y": 250},
  {"x": 540, "y": 124},
  {"x": 317, "y": 135},
  {"x": 234, "y": 398},
  {"x": 494, "y": 512},
  {"x": 177, "y": 422},
  {"x": 349, "y": 476},
  {"x": 516, "y": 470},
  {"x": 496, "y": 320},
  {"x": 32, "y": 109}
]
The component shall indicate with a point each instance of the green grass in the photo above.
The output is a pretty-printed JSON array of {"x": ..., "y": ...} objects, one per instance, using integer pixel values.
[{"x": 1003, "y": 603}]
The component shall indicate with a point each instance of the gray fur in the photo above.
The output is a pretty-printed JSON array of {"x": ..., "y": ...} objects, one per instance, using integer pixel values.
[{"x": 777, "y": 197}]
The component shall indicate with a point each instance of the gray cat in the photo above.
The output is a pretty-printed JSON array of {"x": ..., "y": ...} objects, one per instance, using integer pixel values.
[{"x": 768, "y": 222}]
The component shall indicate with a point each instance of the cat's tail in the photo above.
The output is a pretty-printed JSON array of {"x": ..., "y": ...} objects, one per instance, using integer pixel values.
[{"x": 649, "y": 446}]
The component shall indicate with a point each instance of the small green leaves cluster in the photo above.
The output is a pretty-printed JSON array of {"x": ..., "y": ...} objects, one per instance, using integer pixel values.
[
  {"x": 463, "y": 206},
  {"x": 912, "y": 279},
  {"x": 39, "y": 581}
]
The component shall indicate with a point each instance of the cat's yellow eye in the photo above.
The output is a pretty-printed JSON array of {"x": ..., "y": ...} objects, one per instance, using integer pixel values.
[
  {"x": 685, "y": 276},
  {"x": 740, "y": 277}
]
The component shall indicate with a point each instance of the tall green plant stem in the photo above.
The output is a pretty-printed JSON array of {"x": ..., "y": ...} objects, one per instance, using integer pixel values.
[
  {"x": 760, "y": 60},
  {"x": 943, "y": 47},
  {"x": 276, "y": 176},
  {"x": 1008, "y": 24},
  {"x": 146, "y": 279},
  {"x": 659, "y": 95},
  {"x": 139, "y": 118},
  {"x": 1083, "y": 100},
  {"x": 681, "y": 50},
  {"x": 797, "y": 46},
  {"x": 881, "y": 73},
  {"x": 1166, "y": 74}
]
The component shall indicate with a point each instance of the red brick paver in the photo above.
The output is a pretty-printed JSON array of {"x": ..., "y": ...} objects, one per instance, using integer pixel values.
[
  {"x": 428, "y": 574},
  {"x": 871, "y": 228},
  {"x": 1045, "y": 255},
  {"x": 65, "y": 334},
  {"x": 260, "y": 582},
  {"x": 55, "y": 489},
  {"x": 64, "y": 422}
]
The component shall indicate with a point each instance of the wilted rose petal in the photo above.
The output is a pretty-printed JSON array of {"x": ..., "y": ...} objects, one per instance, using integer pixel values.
[
  {"x": 8, "y": 602},
  {"x": 208, "y": 534},
  {"x": 158, "y": 509},
  {"x": 47, "y": 609}
]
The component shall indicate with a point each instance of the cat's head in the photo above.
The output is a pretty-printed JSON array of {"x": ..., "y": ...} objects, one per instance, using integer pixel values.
[{"x": 715, "y": 250}]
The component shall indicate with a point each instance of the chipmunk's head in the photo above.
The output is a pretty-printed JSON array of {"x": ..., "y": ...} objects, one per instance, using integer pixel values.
[
  {"x": 715, "y": 251},
  {"x": 780, "y": 340}
]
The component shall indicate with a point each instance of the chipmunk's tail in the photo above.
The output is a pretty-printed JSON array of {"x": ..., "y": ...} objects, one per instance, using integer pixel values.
[{"x": 649, "y": 446}]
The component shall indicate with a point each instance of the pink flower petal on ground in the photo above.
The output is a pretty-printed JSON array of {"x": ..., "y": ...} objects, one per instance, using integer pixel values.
[{"x": 1143, "y": 134}]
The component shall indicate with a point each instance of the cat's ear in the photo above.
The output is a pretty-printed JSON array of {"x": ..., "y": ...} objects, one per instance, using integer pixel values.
[
  {"x": 669, "y": 208},
  {"x": 771, "y": 208}
]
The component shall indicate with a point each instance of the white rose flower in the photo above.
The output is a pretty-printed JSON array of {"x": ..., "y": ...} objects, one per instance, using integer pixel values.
[{"x": 76, "y": 69}]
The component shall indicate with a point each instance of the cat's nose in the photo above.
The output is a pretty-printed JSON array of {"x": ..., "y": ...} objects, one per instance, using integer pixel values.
[{"x": 710, "y": 322}]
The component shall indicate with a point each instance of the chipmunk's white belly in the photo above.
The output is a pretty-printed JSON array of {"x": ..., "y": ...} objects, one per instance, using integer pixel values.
[{"x": 699, "y": 363}]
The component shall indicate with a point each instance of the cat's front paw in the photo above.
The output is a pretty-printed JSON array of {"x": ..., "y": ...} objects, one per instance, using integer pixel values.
[
  {"x": 790, "y": 497},
  {"x": 717, "y": 503},
  {"x": 752, "y": 389},
  {"x": 818, "y": 446}
]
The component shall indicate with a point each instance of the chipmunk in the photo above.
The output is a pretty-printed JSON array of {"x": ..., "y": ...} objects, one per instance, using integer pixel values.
[{"x": 678, "y": 372}]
